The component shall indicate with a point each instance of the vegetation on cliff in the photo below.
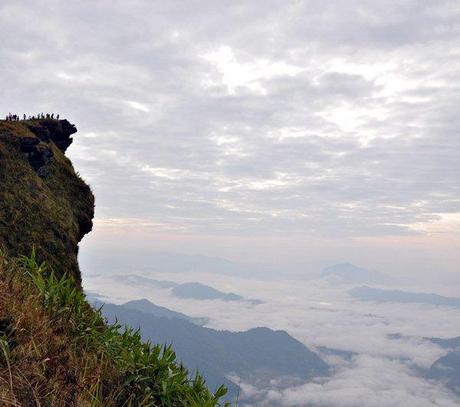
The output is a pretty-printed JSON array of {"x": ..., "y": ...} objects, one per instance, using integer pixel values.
[
  {"x": 55, "y": 349},
  {"x": 43, "y": 202}
]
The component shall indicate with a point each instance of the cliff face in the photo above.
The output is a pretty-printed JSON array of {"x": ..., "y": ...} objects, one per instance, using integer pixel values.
[{"x": 44, "y": 204}]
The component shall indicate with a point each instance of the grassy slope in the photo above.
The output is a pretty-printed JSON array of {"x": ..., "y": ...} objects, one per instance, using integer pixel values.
[{"x": 55, "y": 350}]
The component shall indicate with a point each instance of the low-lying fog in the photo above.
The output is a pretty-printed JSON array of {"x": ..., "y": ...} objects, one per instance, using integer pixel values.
[{"x": 383, "y": 370}]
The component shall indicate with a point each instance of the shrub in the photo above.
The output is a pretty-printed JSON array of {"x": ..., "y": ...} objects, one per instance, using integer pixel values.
[{"x": 66, "y": 354}]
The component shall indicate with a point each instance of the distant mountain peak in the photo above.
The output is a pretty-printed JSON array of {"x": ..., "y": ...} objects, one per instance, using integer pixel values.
[
  {"x": 145, "y": 306},
  {"x": 350, "y": 273},
  {"x": 366, "y": 293}
]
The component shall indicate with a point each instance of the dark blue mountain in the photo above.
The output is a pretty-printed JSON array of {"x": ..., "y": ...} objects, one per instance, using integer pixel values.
[
  {"x": 193, "y": 290},
  {"x": 350, "y": 274},
  {"x": 200, "y": 291},
  {"x": 447, "y": 370},
  {"x": 449, "y": 343},
  {"x": 148, "y": 307},
  {"x": 382, "y": 295},
  {"x": 259, "y": 354}
]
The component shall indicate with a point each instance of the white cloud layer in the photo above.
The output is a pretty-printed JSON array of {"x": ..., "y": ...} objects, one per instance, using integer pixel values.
[{"x": 384, "y": 372}]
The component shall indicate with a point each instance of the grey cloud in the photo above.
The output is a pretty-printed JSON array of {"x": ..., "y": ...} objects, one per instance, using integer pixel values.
[{"x": 253, "y": 161}]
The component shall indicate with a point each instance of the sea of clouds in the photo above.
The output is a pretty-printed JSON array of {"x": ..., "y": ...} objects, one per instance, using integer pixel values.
[{"x": 382, "y": 372}]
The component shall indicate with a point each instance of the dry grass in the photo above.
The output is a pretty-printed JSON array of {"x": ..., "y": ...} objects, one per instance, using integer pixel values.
[
  {"x": 55, "y": 350},
  {"x": 43, "y": 366}
]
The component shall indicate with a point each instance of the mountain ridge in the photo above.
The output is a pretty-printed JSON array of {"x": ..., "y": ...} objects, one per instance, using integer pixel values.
[
  {"x": 259, "y": 352},
  {"x": 366, "y": 293}
]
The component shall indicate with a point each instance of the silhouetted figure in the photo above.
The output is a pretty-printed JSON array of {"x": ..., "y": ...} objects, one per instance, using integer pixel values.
[{"x": 57, "y": 117}]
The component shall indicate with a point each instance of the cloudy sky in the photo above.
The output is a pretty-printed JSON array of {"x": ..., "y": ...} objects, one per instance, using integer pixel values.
[{"x": 291, "y": 132}]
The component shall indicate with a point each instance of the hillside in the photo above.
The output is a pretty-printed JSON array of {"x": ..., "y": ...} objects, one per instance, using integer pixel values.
[
  {"x": 446, "y": 369},
  {"x": 258, "y": 356},
  {"x": 146, "y": 306},
  {"x": 55, "y": 349}
]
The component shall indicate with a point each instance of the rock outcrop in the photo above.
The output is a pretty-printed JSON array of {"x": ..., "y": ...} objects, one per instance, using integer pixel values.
[{"x": 44, "y": 204}]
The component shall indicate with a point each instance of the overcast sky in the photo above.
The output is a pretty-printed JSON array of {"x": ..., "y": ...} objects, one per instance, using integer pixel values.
[{"x": 276, "y": 131}]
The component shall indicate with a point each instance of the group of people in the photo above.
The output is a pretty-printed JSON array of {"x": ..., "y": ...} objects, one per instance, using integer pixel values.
[{"x": 15, "y": 117}]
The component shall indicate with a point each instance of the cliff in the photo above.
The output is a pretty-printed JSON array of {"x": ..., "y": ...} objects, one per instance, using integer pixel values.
[
  {"x": 55, "y": 349},
  {"x": 44, "y": 204}
]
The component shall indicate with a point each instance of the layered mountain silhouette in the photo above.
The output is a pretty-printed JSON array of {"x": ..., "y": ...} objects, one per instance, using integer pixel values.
[
  {"x": 148, "y": 307},
  {"x": 350, "y": 274},
  {"x": 257, "y": 355},
  {"x": 192, "y": 290},
  {"x": 366, "y": 293}
]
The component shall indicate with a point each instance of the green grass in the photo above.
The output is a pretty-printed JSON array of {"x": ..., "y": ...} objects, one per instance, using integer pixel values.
[
  {"x": 50, "y": 211},
  {"x": 97, "y": 365}
]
